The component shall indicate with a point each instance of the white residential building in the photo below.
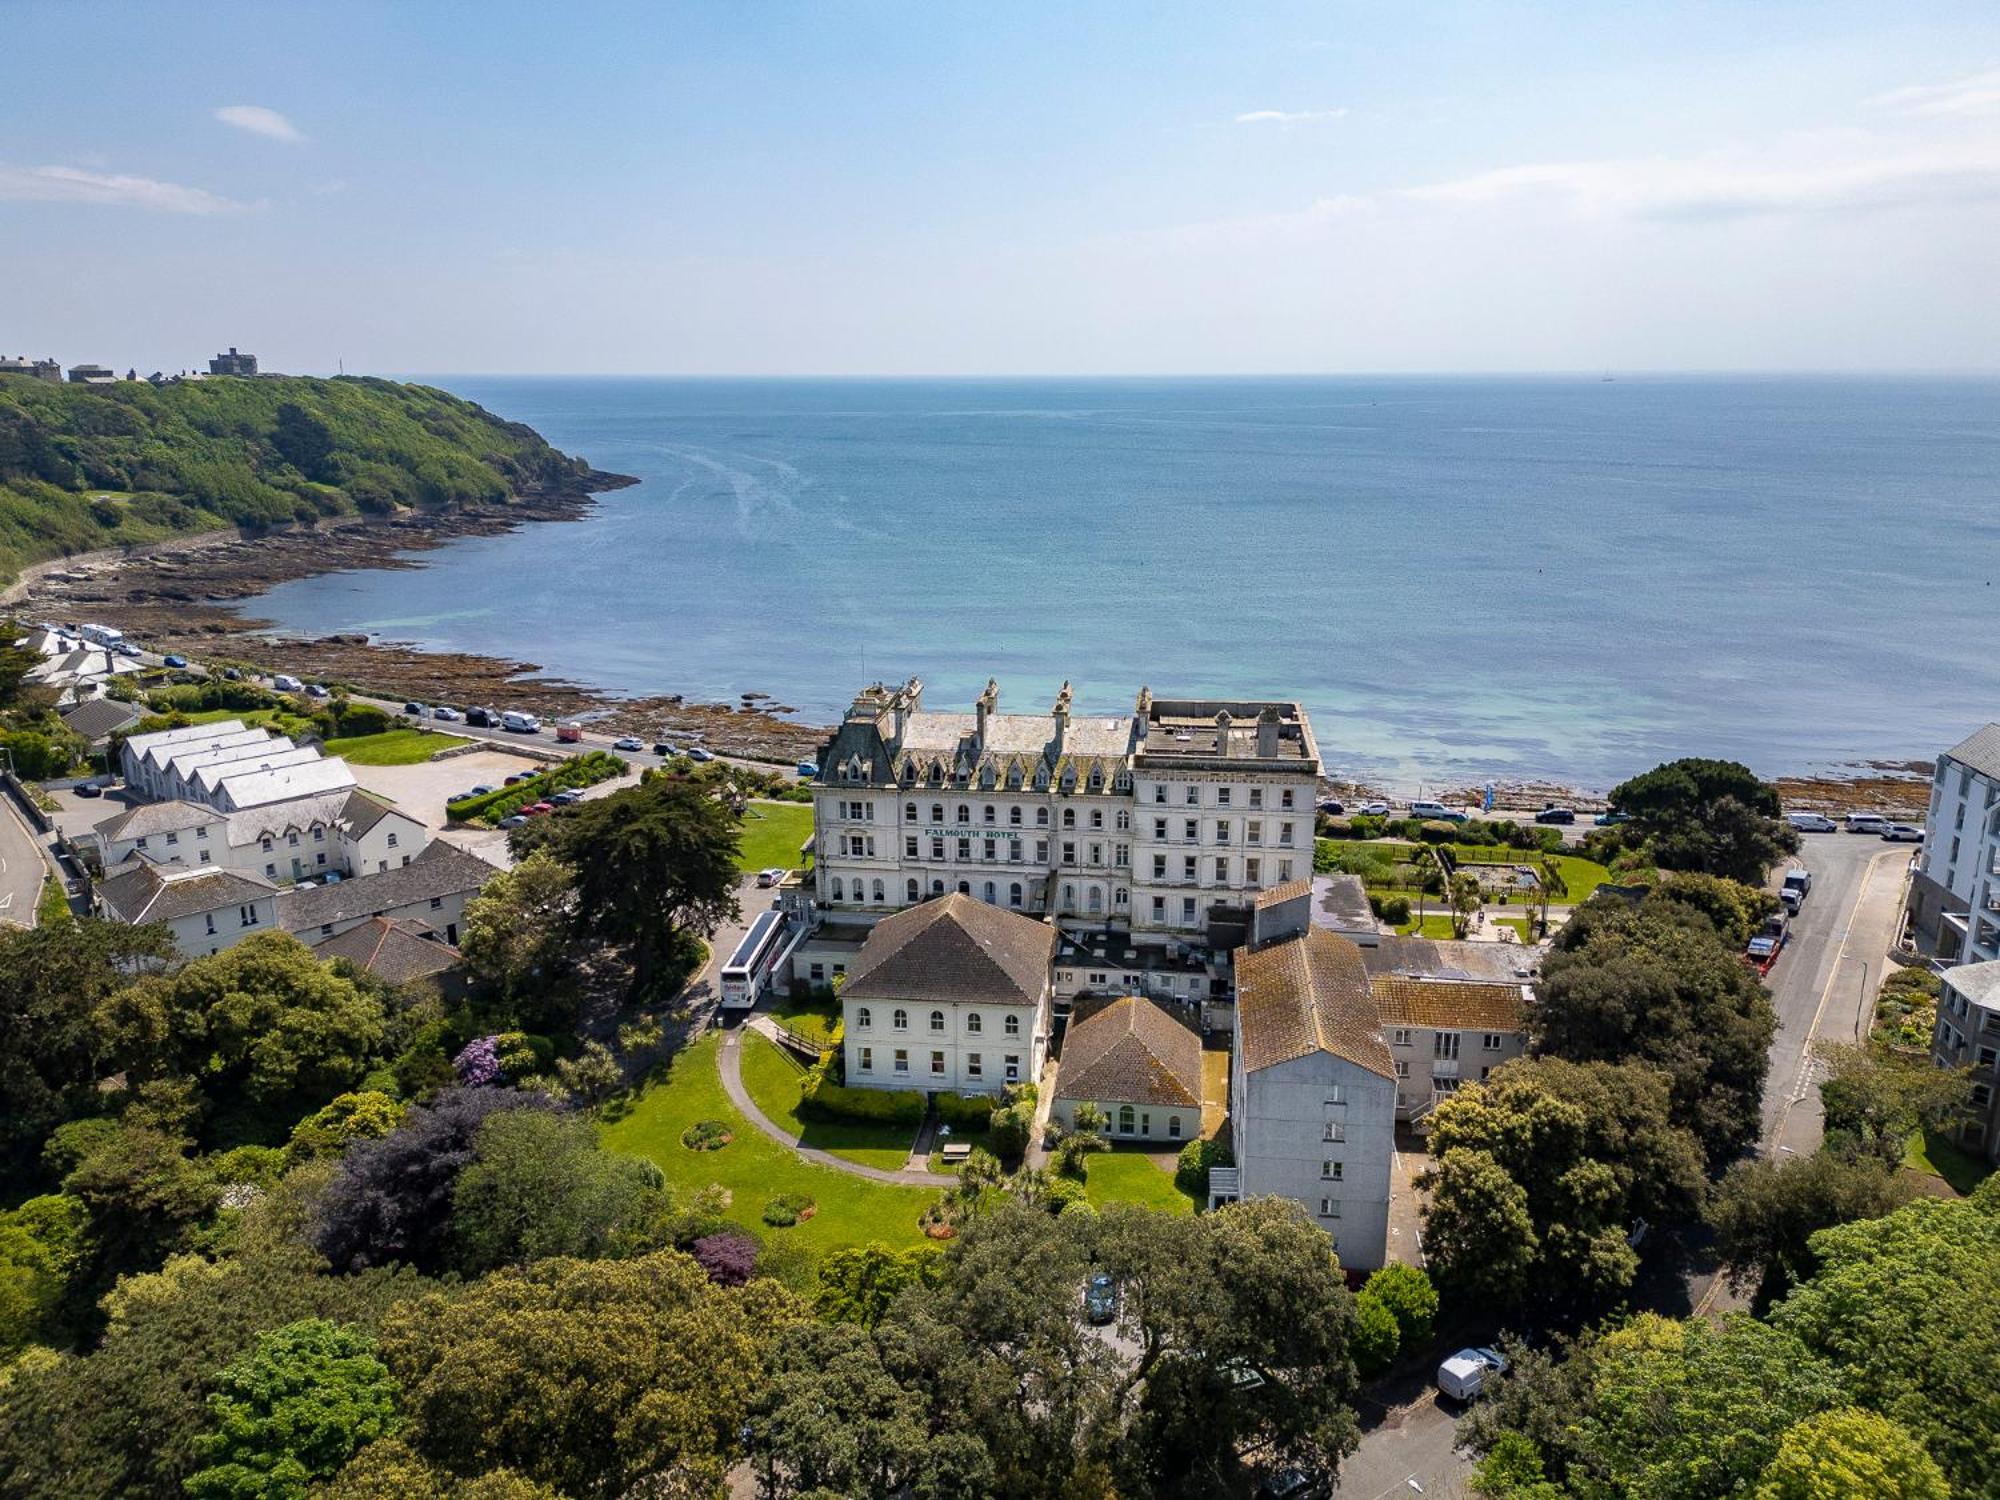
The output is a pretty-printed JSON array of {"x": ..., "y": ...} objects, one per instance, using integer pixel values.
[
  {"x": 1955, "y": 893},
  {"x": 206, "y": 910},
  {"x": 1967, "y": 1035},
  {"x": 1313, "y": 1092},
  {"x": 951, "y": 995},
  {"x": 1163, "y": 823},
  {"x": 432, "y": 889}
]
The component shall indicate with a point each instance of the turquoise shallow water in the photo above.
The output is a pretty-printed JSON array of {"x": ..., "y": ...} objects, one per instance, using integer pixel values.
[{"x": 1460, "y": 577}]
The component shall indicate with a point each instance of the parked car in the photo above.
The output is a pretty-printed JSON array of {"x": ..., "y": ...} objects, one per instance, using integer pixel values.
[
  {"x": 1295, "y": 1484},
  {"x": 1902, "y": 833},
  {"x": 516, "y": 722},
  {"x": 175, "y": 661},
  {"x": 1611, "y": 819},
  {"x": 414, "y": 710},
  {"x": 628, "y": 742},
  {"x": 231, "y": 674},
  {"x": 807, "y": 769},
  {"x": 513, "y": 821},
  {"x": 284, "y": 682},
  {"x": 1332, "y": 807},
  {"x": 1797, "y": 885},
  {"x": 1436, "y": 810},
  {"x": 89, "y": 789},
  {"x": 515, "y": 778},
  {"x": 447, "y": 715},
  {"x": 125, "y": 648},
  {"x": 768, "y": 878},
  {"x": 482, "y": 718},
  {"x": 481, "y": 790},
  {"x": 664, "y": 749},
  {"x": 1100, "y": 1299},
  {"x": 569, "y": 734},
  {"x": 1866, "y": 822},
  {"x": 1564, "y": 815},
  {"x": 539, "y": 809},
  {"x": 697, "y": 753},
  {"x": 1373, "y": 809},
  {"x": 1770, "y": 938},
  {"x": 568, "y": 798},
  {"x": 318, "y": 690},
  {"x": 1811, "y": 822},
  {"x": 1464, "y": 1375}
]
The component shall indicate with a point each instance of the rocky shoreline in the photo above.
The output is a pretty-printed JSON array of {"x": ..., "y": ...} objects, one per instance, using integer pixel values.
[{"x": 186, "y": 595}]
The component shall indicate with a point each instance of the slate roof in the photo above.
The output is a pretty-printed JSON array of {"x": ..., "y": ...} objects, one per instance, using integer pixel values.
[
  {"x": 1305, "y": 995},
  {"x": 249, "y": 789},
  {"x": 1447, "y": 1004},
  {"x": 1980, "y": 750},
  {"x": 146, "y": 893},
  {"x": 143, "y": 745},
  {"x": 954, "y": 948},
  {"x": 1131, "y": 1052},
  {"x": 397, "y": 951},
  {"x": 362, "y": 812},
  {"x": 443, "y": 869},
  {"x": 95, "y": 718},
  {"x": 149, "y": 818},
  {"x": 1432, "y": 958}
]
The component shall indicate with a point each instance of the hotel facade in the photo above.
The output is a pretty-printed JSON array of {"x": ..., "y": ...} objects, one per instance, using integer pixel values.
[{"x": 1163, "y": 824}]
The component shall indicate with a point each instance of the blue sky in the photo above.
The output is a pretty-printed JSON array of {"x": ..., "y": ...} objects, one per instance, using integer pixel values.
[{"x": 825, "y": 188}]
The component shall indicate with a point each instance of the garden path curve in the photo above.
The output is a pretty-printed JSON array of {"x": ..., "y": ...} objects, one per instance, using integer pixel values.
[{"x": 729, "y": 1061}]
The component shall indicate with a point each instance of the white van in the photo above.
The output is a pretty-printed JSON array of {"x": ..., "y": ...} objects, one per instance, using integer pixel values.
[
  {"x": 1811, "y": 822},
  {"x": 1866, "y": 823},
  {"x": 520, "y": 723},
  {"x": 1463, "y": 1376},
  {"x": 287, "y": 684}
]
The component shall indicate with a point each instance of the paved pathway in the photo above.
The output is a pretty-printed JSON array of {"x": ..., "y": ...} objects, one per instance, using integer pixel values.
[{"x": 729, "y": 1061}]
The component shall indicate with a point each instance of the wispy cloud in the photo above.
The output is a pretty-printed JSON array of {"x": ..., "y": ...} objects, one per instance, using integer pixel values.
[
  {"x": 75, "y": 185},
  {"x": 1288, "y": 116},
  {"x": 258, "y": 120},
  {"x": 1977, "y": 95},
  {"x": 1818, "y": 174}
]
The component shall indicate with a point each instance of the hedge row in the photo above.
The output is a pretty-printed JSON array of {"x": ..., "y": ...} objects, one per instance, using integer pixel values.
[
  {"x": 577, "y": 772},
  {"x": 966, "y": 1111},
  {"x": 820, "y": 1096}
]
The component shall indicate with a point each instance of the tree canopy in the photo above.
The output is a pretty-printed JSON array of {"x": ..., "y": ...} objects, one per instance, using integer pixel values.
[{"x": 1715, "y": 817}]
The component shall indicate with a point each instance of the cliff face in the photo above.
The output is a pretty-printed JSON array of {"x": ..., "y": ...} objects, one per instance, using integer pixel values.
[{"x": 83, "y": 467}]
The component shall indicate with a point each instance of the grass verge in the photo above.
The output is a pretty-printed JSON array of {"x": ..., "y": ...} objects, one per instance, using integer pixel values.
[
  {"x": 392, "y": 747},
  {"x": 1932, "y": 1153},
  {"x": 1122, "y": 1176},
  {"x": 755, "y": 1168},
  {"x": 772, "y": 833},
  {"x": 772, "y": 1077}
]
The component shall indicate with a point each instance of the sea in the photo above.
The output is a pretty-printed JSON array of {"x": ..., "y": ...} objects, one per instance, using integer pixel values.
[{"x": 1463, "y": 579}]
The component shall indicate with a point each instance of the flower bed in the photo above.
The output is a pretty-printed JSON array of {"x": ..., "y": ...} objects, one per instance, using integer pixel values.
[
  {"x": 787, "y": 1209},
  {"x": 707, "y": 1135}
]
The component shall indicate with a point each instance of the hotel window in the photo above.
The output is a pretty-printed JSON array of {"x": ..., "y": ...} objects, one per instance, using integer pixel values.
[
  {"x": 1193, "y": 796},
  {"x": 1097, "y": 817},
  {"x": 937, "y": 1063},
  {"x": 1014, "y": 815},
  {"x": 1173, "y": 1127},
  {"x": 989, "y": 814},
  {"x": 899, "y": 1019},
  {"x": 867, "y": 1059},
  {"x": 1188, "y": 867},
  {"x": 1333, "y": 1171},
  {"x": 1041, "y": 817},
  {"x": 965, "y": 848},
  {"x": 1069, "y": 852},
  {"x": 902, "y": 1060},
  {"x": 1094, "y": 899},
  {"x": 1014, "y": 852},
  {"x": 937, "y": 1020},
  {"x": 1284, "y": 871},
  {"x": 1444, "y": 1046},
  {"x": 937, "y": 812},
  {"x": 964, "y": 813},
  {"x": 1222, "y": 871},
  {"x": 1159, "y": 791},
  {"x": 1160, "y": 829},
  {"x": 1069, "y": 898},
  {"x": 987, "y": 893},
  {"x": 1335, "y": 1131},
  {"x": 1159, "y": 908},
  {"x": 1402, "y": 1068},
  {"x": 1122, "y": 897},
  {"x": 1491, "y": 1041},
  {"x": 909, "y": 846},
  {"x": 1285, "y": 797},
  {"x": 1329, "y": 1208},
  {"x": 1159, "y": 867},
  {"x": 937, "y": 848},
  {"x": 1222, "y": 831},
  {"x": 1014, "y": 894},
  {"x": 1124, "y": 820},
  {"x": 839, "y": 890},
  {"x": 992, "y": 850},
  {"x": 1256, "y": 796},
  {"x": 910, "y": 889},
  {"x": 1097, "y": 854},
  {"x": 972, "y": 1065},
  {"x": 1252, "y": 871},
  {"x": 973, "y": 1024},
  {"x": 1121, "y": 855},
  {"x": 1254, "y": 831},
  {"x": 1069, "y": 817},
  {"x": 881, "y": 897},
  {"x": 1013, "y": 1068},
  {"x": 1222, "y": 796},
  {"x": 1187, "y": 910},
  {"x": 1191, "y": 833},
  {"x": 1012, "y": 1025},
  {"x": 1041, "y": 851},
  {"x": 909, "y": 812},
  {"x": 937, "y": 887},
  {"x": 1285, "y": 833}
]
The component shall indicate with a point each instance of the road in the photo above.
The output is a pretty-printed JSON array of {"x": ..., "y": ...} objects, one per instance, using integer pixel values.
[{"x": 21, "y": 868}]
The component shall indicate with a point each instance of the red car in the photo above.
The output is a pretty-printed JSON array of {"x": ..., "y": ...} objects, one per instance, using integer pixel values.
[{"x": 539, "y": 809}]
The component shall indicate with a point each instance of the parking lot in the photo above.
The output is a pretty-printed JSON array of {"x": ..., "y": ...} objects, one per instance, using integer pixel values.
[{"x": 421, "y": 790}]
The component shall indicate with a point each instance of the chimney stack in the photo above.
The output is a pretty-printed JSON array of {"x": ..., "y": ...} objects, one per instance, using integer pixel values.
[
  {"x": 1142, "y": 715},
  {"x": 1267, "y": 733},
  {"x": 984, "y": 709},
  {"x": 1060, "y": 713}
]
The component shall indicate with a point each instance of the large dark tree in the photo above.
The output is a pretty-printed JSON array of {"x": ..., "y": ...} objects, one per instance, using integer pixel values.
[
  {"x": 53, "y": 1051},
  {"x": 1542, "y": 1173},
  {"x": 1766, "y": 1213},
  {"x": 1711, "y": 816},
  {"x": 655, "y": 865},
  {"x": 1655, "y": 984}
]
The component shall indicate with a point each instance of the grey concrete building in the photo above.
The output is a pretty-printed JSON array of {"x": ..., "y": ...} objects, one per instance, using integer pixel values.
[{"x": 1968, "y": 1035}]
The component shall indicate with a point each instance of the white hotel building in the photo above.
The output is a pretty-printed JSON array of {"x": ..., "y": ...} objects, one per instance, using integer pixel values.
[{"x": 1160, "y": 825}]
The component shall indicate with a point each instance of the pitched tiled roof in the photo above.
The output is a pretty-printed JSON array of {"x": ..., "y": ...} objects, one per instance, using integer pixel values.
[
  {"x": 1308, "y": 994},
  {"x": 1131, "y": 1052},
  {"x": 94, "y": 718},
  {"x": 397, "y": 951},
  {"x": 362, "y": 812},
  {"x": 954, "y": 948},
  {"x": 144, "y": 893},
  {"x": 1447, "y": 1004},
  {"x": 1277, "y": 895},
  {"x": 149, "y": 818},
  {"x": 443, "y": 869},
  {"x": 1980, "y": 750}
]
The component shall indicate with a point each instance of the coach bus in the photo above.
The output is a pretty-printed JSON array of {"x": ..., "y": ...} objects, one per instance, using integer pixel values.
[{"x": 756, "y": 958}]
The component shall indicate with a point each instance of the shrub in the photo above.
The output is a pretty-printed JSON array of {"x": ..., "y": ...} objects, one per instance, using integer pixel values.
[
  {"x": 573, "y": 774},
  {"x": 820, "y": 1097},
  {"x": 1407, "y": 1293},
  {"x": 1376, "y": 1336},
  {"x": 1396, "y": 910},
  {"x": 1061, "y": 1192},
  {"x": 966, "y": 1111},
  {"x": 787, "y": 1209},
  {"x": 1010, "y": 1128},
  {"x": 1191, "y": 1173},
  {"x": 728, "y": 1256},
  {"x": 707, "y": 1135},
  {"x": 478, "y": 1064}
]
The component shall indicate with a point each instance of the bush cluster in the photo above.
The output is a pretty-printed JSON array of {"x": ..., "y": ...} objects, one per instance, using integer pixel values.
[
  {"x": 821, "y": 1097},
  {"x": 577, "y": 772},
  {"x": 1191, "y": 1172},
  {"x": 787, "y": 1209}
]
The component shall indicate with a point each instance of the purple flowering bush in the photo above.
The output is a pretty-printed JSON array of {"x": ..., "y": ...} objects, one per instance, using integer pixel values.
[
  {"x": 728, "y": 1256},
  {"x": 479, "y": 1063}
]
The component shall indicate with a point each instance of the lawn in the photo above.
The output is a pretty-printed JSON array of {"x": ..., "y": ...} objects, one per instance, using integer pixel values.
[
  {"x": 1379, "y": 862},
  {"x": 1431, "y": 926},
  {"x": 1932, "y": 1153},
  {"x": 392, "y": 747},
  {"x": 755, "y": 1168},
  {"x": 1118, "y": 1176},
  {"x": 810, "y": 1018},
  {"x": 249, "y": 716},
  {"x": 772, "y": 833},
  {"x": 772, "y": 1077}
]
